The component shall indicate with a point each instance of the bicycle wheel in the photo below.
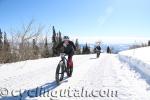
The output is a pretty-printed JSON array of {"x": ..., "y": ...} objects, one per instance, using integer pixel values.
[
  {"x": 98, "y": 54},
  {"x": 60, "y": 72}
]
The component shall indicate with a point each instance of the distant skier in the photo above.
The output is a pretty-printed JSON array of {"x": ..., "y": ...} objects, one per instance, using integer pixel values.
[{"x": 97, "y": 49}]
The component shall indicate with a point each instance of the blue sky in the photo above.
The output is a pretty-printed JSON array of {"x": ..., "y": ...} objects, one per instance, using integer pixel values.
[{"x": 85, "y": 18}]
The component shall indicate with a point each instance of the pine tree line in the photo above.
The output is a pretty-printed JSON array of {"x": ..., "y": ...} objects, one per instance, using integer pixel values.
[
  {"x": 56, "y": 39},
  {"x": 26, "y": 46},
  {"x": 140, "y": 45},
  {"x": 86, "y": 49},
  {"x": 5, "y": 51}
]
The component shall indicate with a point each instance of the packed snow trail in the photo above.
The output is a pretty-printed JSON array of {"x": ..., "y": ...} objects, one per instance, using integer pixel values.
[
  {"x": 106, "y": 74},
  {"x": 105, "y": 78}
]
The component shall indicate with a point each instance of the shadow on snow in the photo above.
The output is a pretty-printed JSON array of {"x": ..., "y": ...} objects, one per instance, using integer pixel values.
[{"x": 36, "y": 92}]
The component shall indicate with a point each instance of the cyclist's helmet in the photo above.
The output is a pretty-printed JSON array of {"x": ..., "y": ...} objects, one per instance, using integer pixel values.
[
  {"x": 98, "y": 43},
  {"x": 66, "y": 38}
]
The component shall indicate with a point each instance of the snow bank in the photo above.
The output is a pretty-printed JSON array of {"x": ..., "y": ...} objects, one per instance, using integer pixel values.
[{"x": 138, "y": 59}]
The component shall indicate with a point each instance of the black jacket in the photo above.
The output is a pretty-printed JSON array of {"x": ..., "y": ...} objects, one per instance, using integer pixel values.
[
  {"x": 68, "y": 49},
  {"x": 98, "y": 48}
]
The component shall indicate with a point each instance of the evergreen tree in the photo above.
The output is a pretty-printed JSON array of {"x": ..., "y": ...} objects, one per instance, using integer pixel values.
[
  {"x": 46, "y": 43},
  {"x": 60, "y": 38},
  {"x": 35, "y": 49},
  {"x": 57, "y": 38},
  {"x": 46, "y": 52},
  {"x": 149, "y": 43},
  {"x": 54, "y": 42},
  {"x": 54, "y": 35},
  {"x": 6, "y": 50},
  {"x": 108, "y": 49},
  {"x": 6, "y": 43},
  {"x": 78, "y": 51},
  {"x": 86, "y": 49},
  {"x": 83, "y": 50},
  {"x": 77, "y": 43},
  {"x": 34, "y": 43},
  {"x": 1, "y": 40}
]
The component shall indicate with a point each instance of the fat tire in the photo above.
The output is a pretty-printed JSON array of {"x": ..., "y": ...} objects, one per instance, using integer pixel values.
[{"x": 59, "y": 72}]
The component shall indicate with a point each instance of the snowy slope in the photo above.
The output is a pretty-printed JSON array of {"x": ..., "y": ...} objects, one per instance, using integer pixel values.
[
  {"x": 142, "y": 54},
  {"x": 139, "y": 59},
  {"x": 105, "y": 78}
]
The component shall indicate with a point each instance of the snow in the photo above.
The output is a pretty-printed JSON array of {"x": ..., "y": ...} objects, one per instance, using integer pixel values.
[
  {"x": 105, "y": 78},
  {"x": 141, "y": 54},
  {"x": 139, "y": 59}
]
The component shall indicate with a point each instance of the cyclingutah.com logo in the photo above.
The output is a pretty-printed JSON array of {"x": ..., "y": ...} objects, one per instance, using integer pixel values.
[{"x": 61, "y": 93}]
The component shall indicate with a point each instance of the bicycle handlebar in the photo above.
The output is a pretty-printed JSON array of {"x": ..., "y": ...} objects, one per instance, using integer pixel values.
[{"x": 62, "y": 55}]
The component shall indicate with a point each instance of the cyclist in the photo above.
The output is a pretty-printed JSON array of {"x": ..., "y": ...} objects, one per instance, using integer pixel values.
[
  {"x": 69, "y": 49},
  {"x": 98, "y": 49}
]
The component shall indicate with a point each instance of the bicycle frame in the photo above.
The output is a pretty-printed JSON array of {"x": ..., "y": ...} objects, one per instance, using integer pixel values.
[
  {"x": 64, "y": 59},
  {"x": 63, "y": 56}
]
